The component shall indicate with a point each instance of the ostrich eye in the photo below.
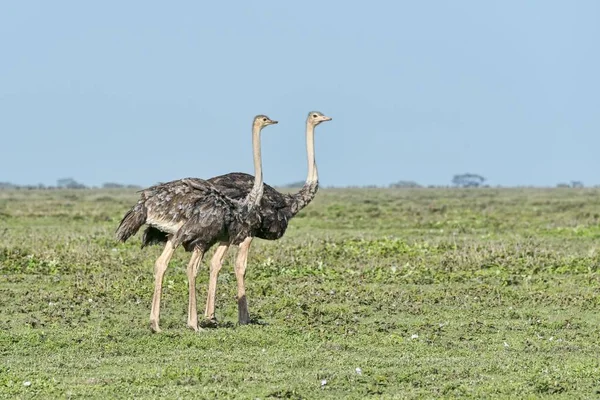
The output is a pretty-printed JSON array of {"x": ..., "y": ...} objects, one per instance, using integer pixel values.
[
  {"x": 264, "y": 119},
  {"x": 314, "y": 115}
]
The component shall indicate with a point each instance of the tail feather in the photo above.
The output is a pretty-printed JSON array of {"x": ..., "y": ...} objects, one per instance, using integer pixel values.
[{"x": 131, "y": 222}]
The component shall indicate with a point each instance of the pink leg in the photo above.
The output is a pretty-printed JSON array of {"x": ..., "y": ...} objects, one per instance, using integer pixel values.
[
  {"x": 240, "y": 271},
  {"x": 159, "y": 271},
  {"x": 192, "y": 272},
  {"x": 215, "y": 266}
]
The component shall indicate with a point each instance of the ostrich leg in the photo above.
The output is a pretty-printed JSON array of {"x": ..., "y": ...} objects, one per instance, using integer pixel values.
[
  {"x": 240, "y": 271},
  {"x": 159, "y": 272},
  {"x": 192, "y": 272},
  {"x": 215, "y": 266}
]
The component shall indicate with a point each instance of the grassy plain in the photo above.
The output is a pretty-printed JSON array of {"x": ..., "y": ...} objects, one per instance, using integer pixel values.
[{"x": 430, "y": 293}]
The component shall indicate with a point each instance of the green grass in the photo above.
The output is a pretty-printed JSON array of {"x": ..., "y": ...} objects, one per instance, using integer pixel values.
[{"x": 432, "y": 293}]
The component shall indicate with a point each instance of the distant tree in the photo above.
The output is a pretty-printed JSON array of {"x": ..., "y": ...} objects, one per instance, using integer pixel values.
[
  {"x": 573, "y": 184},
  {"x": 405, "y": 184},
  {"x": 468, "y": 180},
  {"x": 8, "y": 185},
  {"x": 576, "y": 184},
  {"x": 69, "y": 183},
  {"x": 112, "y": 185},
  {"x": 298, "y": 184}
]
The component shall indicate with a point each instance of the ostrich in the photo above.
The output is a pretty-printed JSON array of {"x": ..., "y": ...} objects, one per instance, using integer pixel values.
[
  {"x": 276, "y": 210},
  {"x": 194, "y": 213}
]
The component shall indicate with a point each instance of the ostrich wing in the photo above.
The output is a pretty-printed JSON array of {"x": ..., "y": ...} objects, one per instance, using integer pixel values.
[{"x": 204, "y": 211}]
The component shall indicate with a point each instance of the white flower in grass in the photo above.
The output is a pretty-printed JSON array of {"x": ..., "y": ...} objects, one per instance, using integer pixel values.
[
  {"x": 26, "y": 383},
  {"x": 358, "y": 371},
  {"x": 414, "y": 336}
]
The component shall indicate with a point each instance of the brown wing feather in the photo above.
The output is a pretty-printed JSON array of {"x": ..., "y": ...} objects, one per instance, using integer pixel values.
[
  {"x": 206, "y": 224},
  {"x": 177, "y": 201}
]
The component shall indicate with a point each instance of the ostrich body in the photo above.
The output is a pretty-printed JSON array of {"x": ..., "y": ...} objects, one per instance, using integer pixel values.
[
  {"x": 195, "y": 214},
  {"x": 276, "y": 209}
]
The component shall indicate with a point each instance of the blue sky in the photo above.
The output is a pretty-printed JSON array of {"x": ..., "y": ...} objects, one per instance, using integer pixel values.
[{"x": 148, "y": 91}]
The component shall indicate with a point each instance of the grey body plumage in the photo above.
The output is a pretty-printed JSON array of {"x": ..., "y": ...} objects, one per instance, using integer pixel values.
[
  {"x": 275, "y": 210},
  {"x": 191, "y": 212}
]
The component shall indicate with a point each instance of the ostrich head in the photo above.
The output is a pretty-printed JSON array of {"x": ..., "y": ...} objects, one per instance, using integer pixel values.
[
  {"x": 316, "y": 117},
  {"x": 261, "y": 121}
]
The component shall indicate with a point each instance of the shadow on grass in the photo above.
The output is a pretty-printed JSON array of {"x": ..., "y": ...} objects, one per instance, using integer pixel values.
[{"x": 214, "y": 324}]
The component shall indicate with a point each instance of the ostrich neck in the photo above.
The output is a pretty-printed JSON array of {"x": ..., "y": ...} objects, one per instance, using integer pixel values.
[
  {"x": 309, "y": 190},
  {"x": 255, "y": 195},
  {"x": 313, "y": 175}
]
